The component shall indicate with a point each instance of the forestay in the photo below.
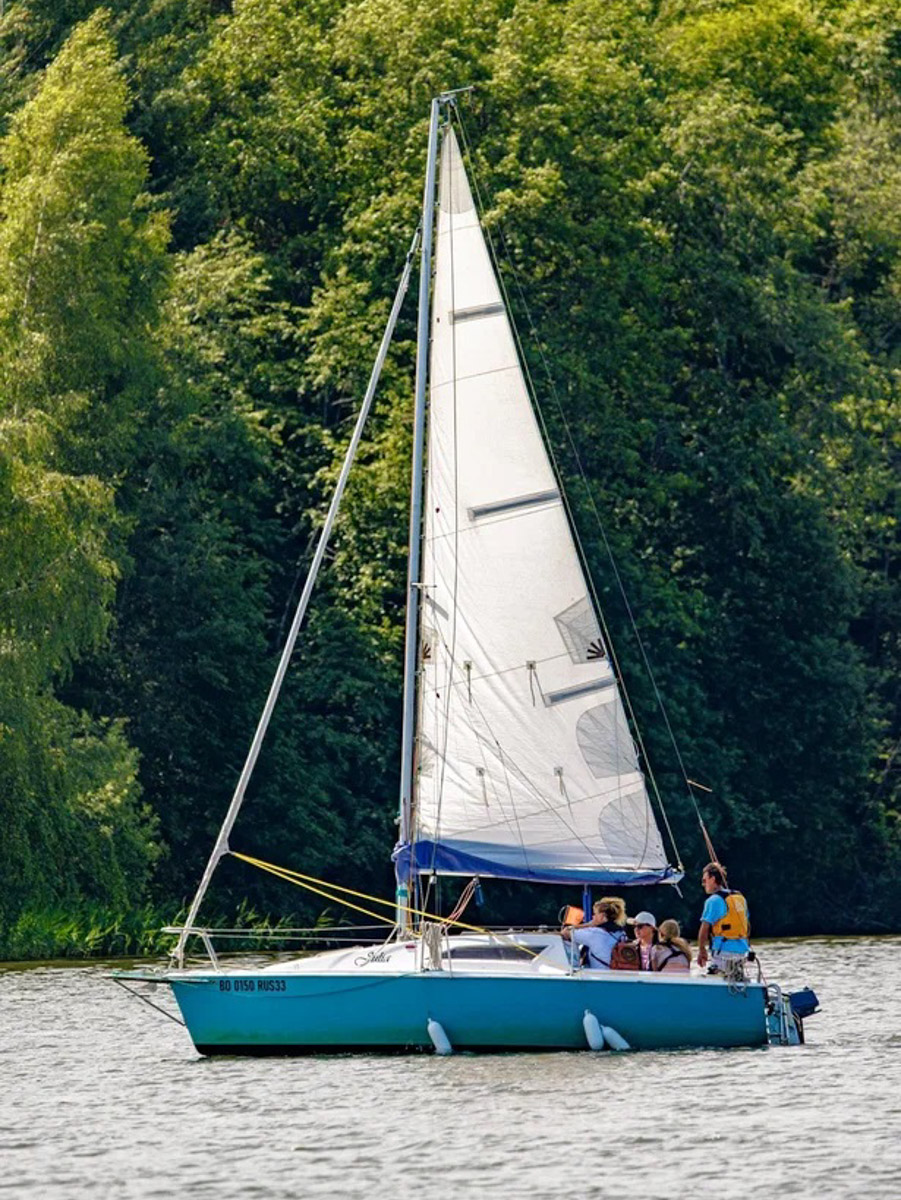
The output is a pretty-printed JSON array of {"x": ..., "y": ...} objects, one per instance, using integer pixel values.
[{"x": 525, "y": 764}]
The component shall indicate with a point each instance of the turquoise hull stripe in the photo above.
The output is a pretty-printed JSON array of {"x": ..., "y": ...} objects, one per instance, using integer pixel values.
[{"x": 268, "y": 1013}]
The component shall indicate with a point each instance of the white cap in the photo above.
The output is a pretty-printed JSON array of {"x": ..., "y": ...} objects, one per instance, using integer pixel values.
[{"x": 643, "y": 918}]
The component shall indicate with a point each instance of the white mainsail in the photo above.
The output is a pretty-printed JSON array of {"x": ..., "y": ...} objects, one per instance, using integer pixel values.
[{"x": 525, "y": 764}]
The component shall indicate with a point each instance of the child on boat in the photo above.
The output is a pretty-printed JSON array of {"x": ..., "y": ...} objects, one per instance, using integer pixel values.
[{"x": 672, "y": 953}]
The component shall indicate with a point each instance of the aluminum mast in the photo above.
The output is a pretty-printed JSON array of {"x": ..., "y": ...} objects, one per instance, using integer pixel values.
[{"x": 411, "y": 643}]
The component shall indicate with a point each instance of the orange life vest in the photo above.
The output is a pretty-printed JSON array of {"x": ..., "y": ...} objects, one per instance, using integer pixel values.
[{"x": 735, "y": 923}]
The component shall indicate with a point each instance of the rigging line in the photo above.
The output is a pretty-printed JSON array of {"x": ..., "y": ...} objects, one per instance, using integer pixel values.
[
  {"x": 308, "y": 881},
  {"x": 146, "y": 999},
  {"x": 288, "y": 877},
  {"x": 568, "y": 507},
  {"x": 278, "y": 931},
  {"x": 302, "y": 939},
  {"x": 464, "y": 899},
  {"x": 220, "y": 846}
]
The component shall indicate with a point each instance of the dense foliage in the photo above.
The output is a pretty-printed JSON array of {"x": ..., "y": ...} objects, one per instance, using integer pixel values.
[{"x": 204, "y": 207}]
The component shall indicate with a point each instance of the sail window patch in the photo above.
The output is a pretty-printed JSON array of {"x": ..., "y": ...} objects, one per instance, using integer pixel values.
[
  {"x": 494, "y": 507},
  {"x": 605, "y": 741},
  {"x": 459, "y": 315},
  {"x": 578, "y": 626},
  {"x": 577, "y": 690},
  {"x": 622, "y": 824}
]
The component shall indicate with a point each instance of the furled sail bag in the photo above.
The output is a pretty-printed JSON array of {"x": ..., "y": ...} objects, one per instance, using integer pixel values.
[{"x": 625, "y": 957}]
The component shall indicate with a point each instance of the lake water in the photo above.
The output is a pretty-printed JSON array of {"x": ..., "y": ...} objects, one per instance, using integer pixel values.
[{"x": 101, "y": 1097}]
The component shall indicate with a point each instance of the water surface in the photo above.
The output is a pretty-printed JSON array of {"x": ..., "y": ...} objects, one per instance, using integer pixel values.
[{"x": 101, "y": 1097}]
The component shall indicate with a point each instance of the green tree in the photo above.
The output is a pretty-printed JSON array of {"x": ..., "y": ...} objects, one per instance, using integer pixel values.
[
  {"x": 78, "y": 260},
  {"x": 700, "y": 202}
]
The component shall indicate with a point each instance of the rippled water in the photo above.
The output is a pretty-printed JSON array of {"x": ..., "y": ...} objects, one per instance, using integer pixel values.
[{"x": 101, "y": 1097}]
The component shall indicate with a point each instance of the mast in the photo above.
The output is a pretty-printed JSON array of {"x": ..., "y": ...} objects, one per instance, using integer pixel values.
[{"x": 411, "y": 643}]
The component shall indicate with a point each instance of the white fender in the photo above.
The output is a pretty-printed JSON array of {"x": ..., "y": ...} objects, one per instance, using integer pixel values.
[
  {"x": 614, "y": 1040},
  {"x": 440, "y": 1040},
  {"x": 593, "y": 1032}
]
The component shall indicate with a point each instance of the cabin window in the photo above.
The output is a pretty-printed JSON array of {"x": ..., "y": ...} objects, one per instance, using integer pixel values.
[{"x": 493, "y": 953}]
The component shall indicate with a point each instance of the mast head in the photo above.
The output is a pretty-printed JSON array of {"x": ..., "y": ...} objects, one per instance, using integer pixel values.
[{"x": 450, "y": 97}]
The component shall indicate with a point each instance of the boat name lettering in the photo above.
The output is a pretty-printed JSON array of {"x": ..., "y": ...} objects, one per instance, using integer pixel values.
[
  {"x": 372, "y": 956},
  {"x": 252, "y": 985}
]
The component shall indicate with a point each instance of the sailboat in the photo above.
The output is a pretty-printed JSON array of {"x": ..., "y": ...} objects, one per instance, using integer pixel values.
[{"x": 518, "y": 761}]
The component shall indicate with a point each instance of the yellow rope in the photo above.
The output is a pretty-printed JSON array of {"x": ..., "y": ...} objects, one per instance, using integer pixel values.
[
  {"x": 284, "y": 873},
  {"x": 308, "y": 881}
]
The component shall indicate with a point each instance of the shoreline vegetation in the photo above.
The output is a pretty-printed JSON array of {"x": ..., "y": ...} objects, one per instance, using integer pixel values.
[
  {"x": 92, "y": 934},
  {"x": 91, "y": 931},
  {"x": 204, "y": 208}
]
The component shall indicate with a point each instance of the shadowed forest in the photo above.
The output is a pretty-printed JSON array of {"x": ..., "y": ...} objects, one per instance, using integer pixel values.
[{"x": 204, "y": 210}]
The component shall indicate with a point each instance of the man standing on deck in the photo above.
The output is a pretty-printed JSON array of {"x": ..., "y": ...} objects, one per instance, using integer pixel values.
[{"x": 725, "y": 927}]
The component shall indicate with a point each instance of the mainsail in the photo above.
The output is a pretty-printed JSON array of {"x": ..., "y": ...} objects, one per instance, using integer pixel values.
[{"x": 526, "y": 768}]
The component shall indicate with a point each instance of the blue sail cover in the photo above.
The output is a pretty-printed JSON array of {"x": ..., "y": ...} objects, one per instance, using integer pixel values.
[{"x": 426, "y": 858}]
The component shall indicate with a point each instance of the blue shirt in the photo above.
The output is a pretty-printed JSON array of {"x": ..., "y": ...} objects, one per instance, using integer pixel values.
[
  {"x": 600, "y": 943},
  {"x": 714, "y": 909}
]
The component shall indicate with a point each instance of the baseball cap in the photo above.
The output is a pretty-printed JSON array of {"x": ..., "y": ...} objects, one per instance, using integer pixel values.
[{"x": 643, "y": 918}]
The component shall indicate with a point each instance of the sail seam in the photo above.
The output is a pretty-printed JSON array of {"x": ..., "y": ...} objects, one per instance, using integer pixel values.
[
  {"x": 475, "y": 375},
  {"x": 547, "y": 808}
]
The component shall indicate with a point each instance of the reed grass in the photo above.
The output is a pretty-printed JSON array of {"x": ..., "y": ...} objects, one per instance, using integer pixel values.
[{"x": 92, "y": 930}]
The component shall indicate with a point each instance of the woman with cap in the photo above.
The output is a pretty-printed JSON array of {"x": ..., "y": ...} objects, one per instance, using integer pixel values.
[{"x": 645, "y": 938}]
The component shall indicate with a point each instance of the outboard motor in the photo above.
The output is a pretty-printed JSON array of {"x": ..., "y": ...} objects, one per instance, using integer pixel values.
[{"x": 804, "y": 1003}]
